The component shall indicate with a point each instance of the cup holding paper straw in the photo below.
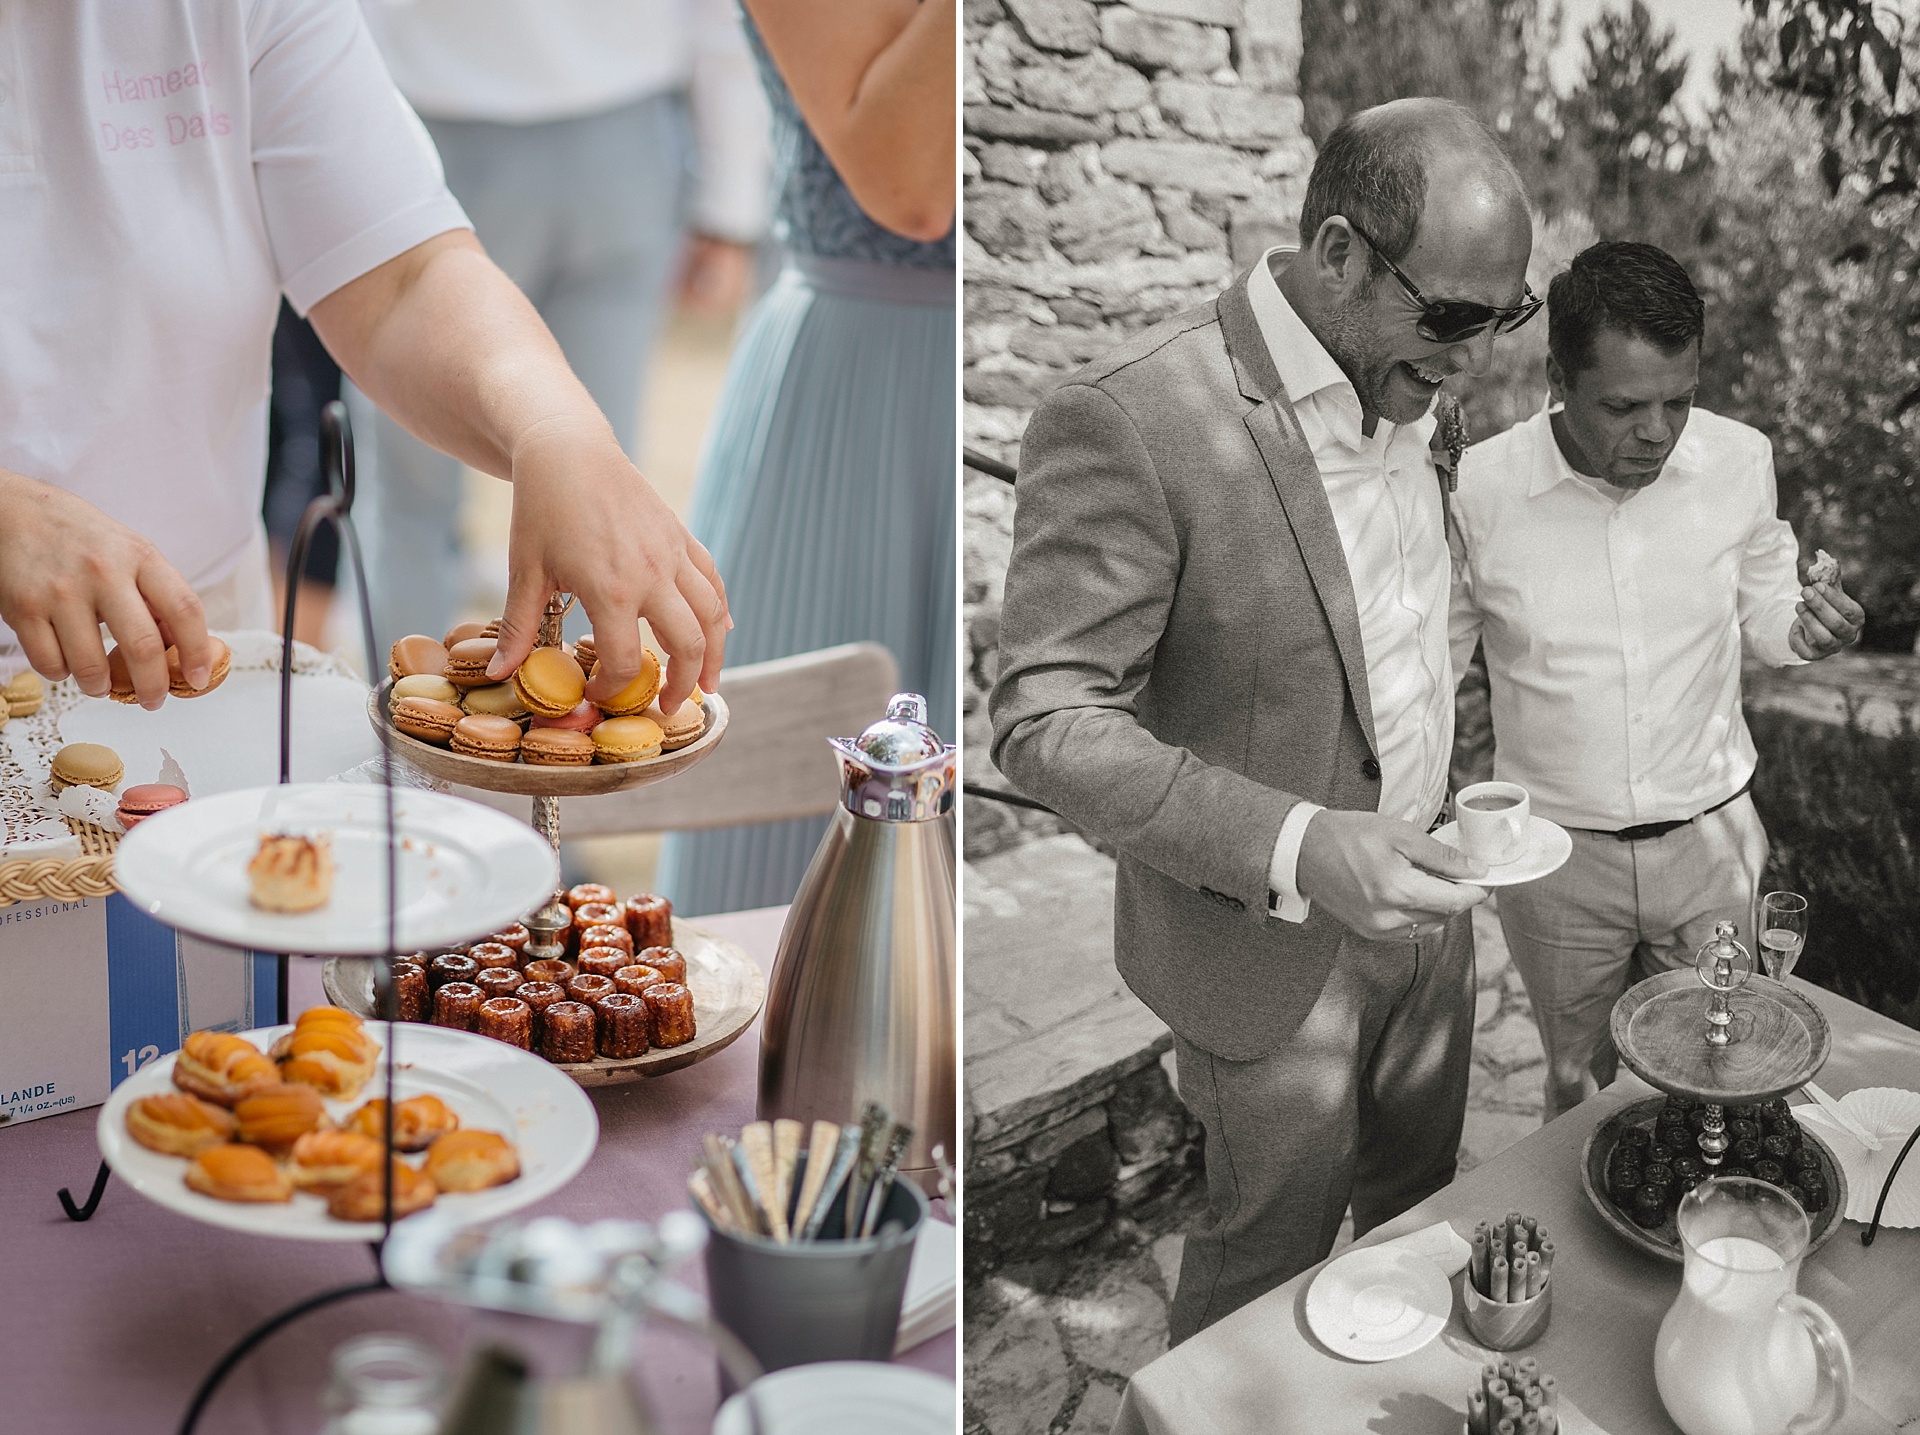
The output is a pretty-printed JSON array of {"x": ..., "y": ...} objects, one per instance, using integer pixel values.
[{"x": 1507, "y": 1324}]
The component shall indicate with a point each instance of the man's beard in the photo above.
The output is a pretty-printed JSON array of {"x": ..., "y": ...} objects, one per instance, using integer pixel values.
[{"x": 1352, "y": 338}]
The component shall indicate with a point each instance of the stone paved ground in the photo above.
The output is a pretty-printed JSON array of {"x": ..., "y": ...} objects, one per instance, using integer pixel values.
[{"x": 1050, "y": 1343}]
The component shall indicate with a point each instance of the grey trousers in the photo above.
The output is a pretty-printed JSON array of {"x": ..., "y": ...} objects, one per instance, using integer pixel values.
[
  {"x": 1619, "y": 912},
  {"x": 588, "y": 217},
  {"x": 1362, "y": 1106}
]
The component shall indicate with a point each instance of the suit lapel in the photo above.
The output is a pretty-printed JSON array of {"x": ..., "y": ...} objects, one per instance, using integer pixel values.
[{"x": 1302, "y": 493}]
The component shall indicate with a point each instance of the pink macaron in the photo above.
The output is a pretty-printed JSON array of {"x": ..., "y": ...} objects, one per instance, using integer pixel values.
[
  {"x": 141, "y": 801},
  {"x": 581, "y": 719}
]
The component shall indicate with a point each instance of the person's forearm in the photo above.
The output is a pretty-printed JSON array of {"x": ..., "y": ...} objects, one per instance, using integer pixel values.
[
  {"x": 445, "y": 344},
  {"x": 878, "y": 93}
]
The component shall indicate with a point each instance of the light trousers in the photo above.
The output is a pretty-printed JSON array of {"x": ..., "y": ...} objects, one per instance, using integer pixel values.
[
  {"x": 1362, "y": 1106},
  {"x": 1619, "y": 912},
  {"x": 588, "y": 217}
]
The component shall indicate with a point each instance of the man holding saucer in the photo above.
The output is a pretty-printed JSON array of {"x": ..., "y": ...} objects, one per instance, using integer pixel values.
[{"x": 1615, "y": 554}]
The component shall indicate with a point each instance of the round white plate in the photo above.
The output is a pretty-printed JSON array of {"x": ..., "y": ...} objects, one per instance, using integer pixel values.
[
  {"x": 1548, "y": 847},
  {"x": 1378, "y": 1303},
  {"x": 490, "y": 1086},
  {"x": 1891, "y": 1114},
  {"x": 464, "y": 869},
  {"x": 844, "y": 1397},
  {"x": 230, "y": 739}
]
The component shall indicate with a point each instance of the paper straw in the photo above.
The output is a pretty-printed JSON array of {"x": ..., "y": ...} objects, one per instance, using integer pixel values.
[
  {"x": 1476, "y": 1413},
  {"x": 1504, "y": 1427},
  {"x": 1507, "y": 1372},
  {"x": 1496, "y": 1392},
  {"x": 1527, "y": 1368},
  {"x": 1549, "y": 1422},
  {"x": 1517, "y": 1281},
  {"x": 1511, "y": 1409},
  {"x": 786, "y": 1158},
  {"x": 1530, "y": 1424},
  {"x": 1499, "y": 1282},
  {"x": 1513, "y": 1224},
  {"x": 756, "y": 1149},
  {"x": 1532, "y": 1224},
  {"x": 1546, "y": 1261},
  {"x": 820, "y": 1149},
  {"x": 1478, "y": 1270},
  {"x": 1535, "y": 1274},
  {"x": 1533, "y": 1399},
  {"x": 700, "y": 1184},
  {"x": 1550, "y": 1390}
]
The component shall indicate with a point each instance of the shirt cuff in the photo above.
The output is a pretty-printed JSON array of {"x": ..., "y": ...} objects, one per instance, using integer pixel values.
[{"x": 1284, "y": 899}]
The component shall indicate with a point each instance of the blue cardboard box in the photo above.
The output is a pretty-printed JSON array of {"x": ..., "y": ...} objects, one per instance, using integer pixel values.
[{"x": 93, "y": 990}]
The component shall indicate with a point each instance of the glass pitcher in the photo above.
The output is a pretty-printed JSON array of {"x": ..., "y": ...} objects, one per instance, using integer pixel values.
[{"x": 1740, "y": 1353}]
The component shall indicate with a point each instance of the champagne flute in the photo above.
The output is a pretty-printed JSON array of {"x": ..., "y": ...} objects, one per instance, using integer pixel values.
[{"x": 1783, "y": 931}]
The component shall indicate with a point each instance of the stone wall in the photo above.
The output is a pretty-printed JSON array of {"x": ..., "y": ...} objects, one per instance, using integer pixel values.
[{"x": 1122, "y": 159}]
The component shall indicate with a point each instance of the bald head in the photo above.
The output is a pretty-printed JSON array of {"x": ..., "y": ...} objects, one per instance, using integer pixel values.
[{"x": 1385, "y": 166}]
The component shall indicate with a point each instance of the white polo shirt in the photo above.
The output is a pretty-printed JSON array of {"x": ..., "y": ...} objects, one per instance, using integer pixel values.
[
  {"x": 1614, "y": 627},
  {"x": 167, "y": 169}
]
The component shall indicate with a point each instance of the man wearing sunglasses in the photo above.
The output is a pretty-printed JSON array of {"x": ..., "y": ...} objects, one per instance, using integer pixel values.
[
  {"x": 1615, "y": 554},
  {"x": 1223, "y": 652}
]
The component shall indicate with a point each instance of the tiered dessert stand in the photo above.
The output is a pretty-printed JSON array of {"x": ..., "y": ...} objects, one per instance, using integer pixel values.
[{"x": 1722, "y": 1035}]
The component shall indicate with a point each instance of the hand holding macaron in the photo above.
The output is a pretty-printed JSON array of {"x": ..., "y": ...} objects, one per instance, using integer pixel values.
[
  {"x": 66, "y": 568},
  {"x": 586, "y": 522}
]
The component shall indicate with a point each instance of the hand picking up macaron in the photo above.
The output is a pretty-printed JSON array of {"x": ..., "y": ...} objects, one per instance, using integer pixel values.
[{"x": 120, "y": 675}]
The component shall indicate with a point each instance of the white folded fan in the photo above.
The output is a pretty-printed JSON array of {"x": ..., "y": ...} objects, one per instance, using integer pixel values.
[{"x": 1891, "y": 1114}]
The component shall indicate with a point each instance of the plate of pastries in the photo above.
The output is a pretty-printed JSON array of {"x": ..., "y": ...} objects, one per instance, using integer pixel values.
[
  {"x": 1643, "y": 1158},
  {"x": 303, "y": 867},
  {"x": 534, "y": 732},
  {"x": 281, "y": 1131},
  {"x": 638, "y": 992}
]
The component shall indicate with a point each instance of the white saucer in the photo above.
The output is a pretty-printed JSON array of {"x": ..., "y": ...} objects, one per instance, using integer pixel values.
[
  {"x": 1378, "y": 1303},
  {"x": 845, "y": 1397},
  {"x": 1548, "y": 847}
]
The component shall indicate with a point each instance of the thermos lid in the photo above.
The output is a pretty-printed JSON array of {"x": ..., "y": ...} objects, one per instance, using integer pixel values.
[{"x": 898, "y": 770}]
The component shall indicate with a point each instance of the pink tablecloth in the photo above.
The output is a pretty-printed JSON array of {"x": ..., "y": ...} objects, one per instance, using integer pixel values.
[{"x": 110, "y": 1325}]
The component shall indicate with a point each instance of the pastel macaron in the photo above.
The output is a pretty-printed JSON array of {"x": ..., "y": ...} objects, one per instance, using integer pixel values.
[
  {"x": 626, "y": 739},
  {"x": 636, "y": 695},
  {"x": 495, "y": 700},
  {"x": 460, "y": 632},
  {"x": 583, "y": 718},
  {"x": 414, "y": 654},
  {"x": 482, "y": 735},
  {"x": 219, "y": 665},
  {"x": 87, "y": 764},
  {"x": 144, "y": 799},
  {"x": 550, "y": 683},
  {"x": 556, "y": 747},
  {"x": 680, "y": 728},
  {"x": 428, "y": 719},
  {"x": 23, "y": 694},
  {"x": 424, "y": 685},
  {"x": 467, "y": 662}
]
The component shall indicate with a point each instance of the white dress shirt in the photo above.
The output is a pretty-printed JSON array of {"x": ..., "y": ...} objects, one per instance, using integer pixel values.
[
  {"x": 1613, "y": 626},
  {"x": 1385, "y": 497},
  {"x": 521, "y": 62}
]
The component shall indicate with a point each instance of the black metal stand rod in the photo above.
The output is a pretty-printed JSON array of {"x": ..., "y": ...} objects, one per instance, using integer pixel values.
[
  {"x": 1866, "y": 1236},
  {"x": 252, "y": 1338},
  {"x": 81, "y": 1213}
]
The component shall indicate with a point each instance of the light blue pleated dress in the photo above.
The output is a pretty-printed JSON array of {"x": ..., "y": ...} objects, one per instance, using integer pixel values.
[{"x": 826, "y": 492}]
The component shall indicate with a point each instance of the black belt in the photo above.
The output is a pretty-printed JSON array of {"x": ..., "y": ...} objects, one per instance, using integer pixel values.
[{"x": 1660, "y": 829}]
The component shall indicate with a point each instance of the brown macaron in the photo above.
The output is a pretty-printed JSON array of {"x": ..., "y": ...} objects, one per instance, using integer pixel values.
[
  {"x": 428, "y": 719},
  {"x": 414, "y": 655},
  {"x": 482, "y": 735},
  {"x": 221, "y": 664},
  {"x": 682, "y": 727},
  {"x": 460, "y": 632},
  {"x": 467, "y": 662},
  {"x": 556, "y": 747},
  {"x": 86, "y": 764},
  {"x": 120, "y": 678}
]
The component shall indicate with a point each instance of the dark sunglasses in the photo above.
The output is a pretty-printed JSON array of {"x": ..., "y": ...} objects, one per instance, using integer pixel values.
[{"x": 1453, "y": 321}]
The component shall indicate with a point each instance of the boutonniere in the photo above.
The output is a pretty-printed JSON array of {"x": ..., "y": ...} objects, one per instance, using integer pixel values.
[{"x": 1449, "y": 439}]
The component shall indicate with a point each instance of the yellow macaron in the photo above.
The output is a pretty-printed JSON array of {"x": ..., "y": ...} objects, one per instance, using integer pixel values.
[
  {"x": 87, "y": 764},
  {"x": 550, "y": 682},
  {"x": 23, "y": 694},
  {"x": 636, "y": 695},
  {"x": 424, "y": 685},
  {"x": 626, "y": 739},
  {"x": 495, "y": 700}
]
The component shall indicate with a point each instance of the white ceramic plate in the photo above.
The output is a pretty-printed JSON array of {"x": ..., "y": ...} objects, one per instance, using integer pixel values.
[
  {"x": 489, "y": 1085},
  {"x": 230, "y": 739},
  {"x": 845, "y": 1397},
  {"x": 1378, "y": 1303},
  {"x": 1891, "y": 1114},
  {"x": 1548, "y": 847},
  {"x": 464, "y": 869}
]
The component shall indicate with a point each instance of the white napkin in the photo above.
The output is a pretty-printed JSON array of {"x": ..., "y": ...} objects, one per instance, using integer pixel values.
[{"x": 1439, "y": 1243}]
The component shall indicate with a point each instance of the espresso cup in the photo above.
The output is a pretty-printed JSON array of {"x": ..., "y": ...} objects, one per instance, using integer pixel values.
[{"x": 1493, "y": 821}]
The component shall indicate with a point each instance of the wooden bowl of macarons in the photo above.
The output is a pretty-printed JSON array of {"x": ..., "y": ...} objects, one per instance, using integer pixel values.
[{"x": 534, "y": 734}]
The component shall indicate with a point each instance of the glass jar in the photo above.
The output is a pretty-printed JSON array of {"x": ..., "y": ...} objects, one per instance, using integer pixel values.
[{"x": 384, "y": 1384}]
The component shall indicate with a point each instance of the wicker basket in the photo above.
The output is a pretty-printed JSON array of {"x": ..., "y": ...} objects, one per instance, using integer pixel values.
[{"x": 63, "y": 879}]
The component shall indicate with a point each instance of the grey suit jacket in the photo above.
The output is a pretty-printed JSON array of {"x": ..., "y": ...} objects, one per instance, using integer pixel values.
[{"x": 1180, "y": 663}]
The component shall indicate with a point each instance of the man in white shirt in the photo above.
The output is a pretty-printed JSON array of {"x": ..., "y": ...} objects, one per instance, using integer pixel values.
[
  {"x": 167, "y": 171},
  {"x": 1615, "y": 553},
  {"x": 1222, "y": 652},
  {"x": 603, "y": 149}
]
